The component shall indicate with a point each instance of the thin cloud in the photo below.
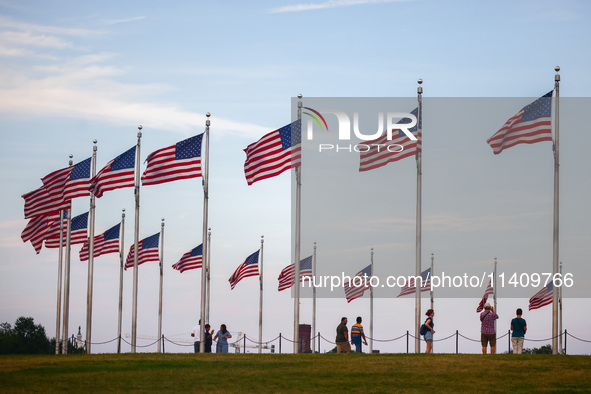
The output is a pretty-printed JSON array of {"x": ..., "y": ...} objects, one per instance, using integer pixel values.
[
  {"x": 328, "y": 4},
  {"x": 125, "y": 20}
]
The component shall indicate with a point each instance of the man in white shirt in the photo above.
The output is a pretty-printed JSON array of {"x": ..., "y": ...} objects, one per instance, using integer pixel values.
[{"x": 197, "y": 334}]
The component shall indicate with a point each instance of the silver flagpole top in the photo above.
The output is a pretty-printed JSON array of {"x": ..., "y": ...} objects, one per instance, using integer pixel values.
[
  {"x": 557, "y": 76},
  {"x": 420, "y": 88},
  {"x": 557, "y": 68},
  {"x": 300, "y": 96},
  {"x": 71, "y": 156},
  {"x": 207, "y": 121},
  {"x": 420, "y": 81},
  {"x": 123, "y": 212},
  {"x": 139, "y": 133}
]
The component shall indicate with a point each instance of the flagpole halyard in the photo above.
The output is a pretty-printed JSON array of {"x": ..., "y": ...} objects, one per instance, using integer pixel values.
[{"x": 66, "y": 311}]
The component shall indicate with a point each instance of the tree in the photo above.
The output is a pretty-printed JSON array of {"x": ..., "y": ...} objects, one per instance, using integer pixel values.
[
  {"x": 546, "y": 349},
  {"x": 25, "y": 337}
]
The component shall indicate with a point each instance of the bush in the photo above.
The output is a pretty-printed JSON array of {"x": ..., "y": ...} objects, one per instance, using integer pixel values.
[{"x": 25, "y": 338}]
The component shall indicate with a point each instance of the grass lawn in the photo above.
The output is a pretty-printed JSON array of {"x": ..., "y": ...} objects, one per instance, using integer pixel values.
[{"x": 294, "y": 373}]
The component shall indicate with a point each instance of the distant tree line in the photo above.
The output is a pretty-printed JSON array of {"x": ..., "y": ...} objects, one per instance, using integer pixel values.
[{"x": 25, "y": 337}]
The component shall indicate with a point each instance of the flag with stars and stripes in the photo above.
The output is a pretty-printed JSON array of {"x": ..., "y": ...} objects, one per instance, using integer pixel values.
[
  {"x": 410, "y": 286},
  {"x": 191, "y": 260},
  {"x": 147, "y": 251},
  {"x": 78, "y": 231},
  {"x": 250, "y": 267},
  {"x": 287, "y": 276},
  {"x": 107, "y": 242},
  {"x": 36, "y": 230},
  {"x": 276, "y": 152},
  {"x": 382, "y": 151},
  {"x": 530, "y": 125},
  {"x": 78, "y": 181},
  {"x": 543, "y": 297},
  {"x": 489, "y": 291},
  {"x": 179, "y": 161},
  {"x": 118, "y": 173},
  {"x": 356, "y": 287}
]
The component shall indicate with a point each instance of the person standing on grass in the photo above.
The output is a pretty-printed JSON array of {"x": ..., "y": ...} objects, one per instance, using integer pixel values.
[
  {"x": 357, "y": 334},
  {"x": 342, "y": 339},
  {"x": 519, "y": 327},
  {"x": 222, "y": 337},
  {"x": 208, "y": 338},
  {"x": 430, "y": 331},
  {"x": 487, "y": 328},
  {"x": 196, "y": 333}
]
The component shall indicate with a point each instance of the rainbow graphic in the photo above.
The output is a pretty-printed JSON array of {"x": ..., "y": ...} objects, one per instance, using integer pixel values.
[{"x": 316, "y": 119}]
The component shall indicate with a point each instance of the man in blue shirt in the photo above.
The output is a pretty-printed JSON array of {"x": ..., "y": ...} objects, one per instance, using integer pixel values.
[{"x": 519, "y": 327}]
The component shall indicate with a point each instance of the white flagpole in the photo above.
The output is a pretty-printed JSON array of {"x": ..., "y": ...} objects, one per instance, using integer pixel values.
[
  {"x": 261, "y": 297},
  {"x": 208, "y": 273},
  {"x": 556, "y": 217},
  {"x": 204, "y": 250},
  {"x": 90, "y": 258},
  {"x": 121, "y": 254},
  {"x": 418, "y": 225},
  {"x": 314, "y": 301},
  {"x": 371, "y": 309},
  {"x": 136, "y": 241},
  {"x": 296, "y": 301},
  {"x": 431, "y": 291},
  {"x": 66, "y": 316},
  {"x": 160, "y": 341},
  {"x": 59, "y": 285}
]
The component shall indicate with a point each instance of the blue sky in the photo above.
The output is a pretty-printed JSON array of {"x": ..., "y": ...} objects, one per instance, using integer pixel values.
[{"x": 72, "y": 72}]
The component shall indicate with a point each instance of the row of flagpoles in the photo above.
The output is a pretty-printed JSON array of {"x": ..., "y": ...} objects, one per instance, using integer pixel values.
[{"x": 273, "y": 154}]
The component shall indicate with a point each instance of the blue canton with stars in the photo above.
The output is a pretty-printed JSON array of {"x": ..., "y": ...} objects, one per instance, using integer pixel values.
[
  {"x": 151, "y": 242},
  {"x": 291, "y": 135},
  {"x": 81, "y": 170},
  {"x": 124, "y": 160},
  {"x": 112, "y": 233},
  {"x": 541, "y": 108},
  {"x": 414, "y": 112},
  {"x": 191, "y": 147}
]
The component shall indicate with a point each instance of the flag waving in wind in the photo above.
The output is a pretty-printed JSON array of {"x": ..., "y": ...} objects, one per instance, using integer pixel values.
[
  {"x": 356, "y": 287},
  {"x": 147, "y": 251},
  {"x": 287, "y": 276},
  {"x": 191, "y": 260},
  {"x": 410, "y": 287},
  {"x": 250, "y": 267},
  {"x": 179, "y": 161},
  {"x": 78, "y": 181},
  {"x": 382, "y": 151},
  {"x": 78, "y": 231},
  {"x": 276, "y": 152},
  {"x": 530, "y": 125},
  {"x": 107, "y": 242},
  {"x": 543, "y": 297},
  {"x": 489, "y": 291},
  {"x": 118, "y": 173}
]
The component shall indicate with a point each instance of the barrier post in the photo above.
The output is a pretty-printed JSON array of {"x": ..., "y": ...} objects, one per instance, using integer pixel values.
[
  {"x": 279, "y": 343},
  {"x": 406, "y": 341},
  {"x": 163, "y": 351},
  {"x": 244, "y": 341},
  {"x": 319, "y": 341},
  {"x": 457, "y": 341},
  {"x": 565, "y": 341},
  {"x": 508, "y": 341}
]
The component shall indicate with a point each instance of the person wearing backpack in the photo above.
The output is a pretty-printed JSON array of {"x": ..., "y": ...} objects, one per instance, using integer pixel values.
[
  {"x": 428, "y": 331},
  {"x": 519, "y": 327},
  {"x": 488, "y": 333}
]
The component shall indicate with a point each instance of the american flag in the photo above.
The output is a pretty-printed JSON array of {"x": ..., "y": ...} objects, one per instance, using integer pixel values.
[
  {"x": 78, "y": 181},
  {"x": 147, "y": 251},
  {"x": 276, "y": 152},
  {"x": 36, "y": 230},
  {"x": 287, "y": 276},
  {"x": 179, "y": 161},
  {"x": 351, "y": 290},
  {"x": 543, "y": 297},
  {"x": 107, "y": 242},
  {"x": 250, "y": 267},
  {"x": 78, "y": 231},
  {"x": 530, "y": 125},
  {"x": 489, "y": 291},
  {"x": 410, "y": 287},
  {"x": 41, "y": 203},
  {"x": 118, "y": 173},
  {"x": 378, "y": 155},
  {"x": 191, "y": 260}
]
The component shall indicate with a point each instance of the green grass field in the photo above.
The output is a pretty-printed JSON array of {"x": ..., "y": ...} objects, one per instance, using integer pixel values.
[{"x": 294, "y": 373}]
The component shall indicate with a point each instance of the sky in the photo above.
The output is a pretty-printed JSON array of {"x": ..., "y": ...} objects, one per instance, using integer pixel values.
[{"x": 73, "y": 72}]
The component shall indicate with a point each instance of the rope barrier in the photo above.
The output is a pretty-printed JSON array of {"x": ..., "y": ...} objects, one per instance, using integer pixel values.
[
  {"x": 178, "y": 344},
  {"x": 386, "y": 340},
  {"x": 102, "y": 343},
  {"x": 579, "y": 339},
  {"x": 444, "y": 339}
]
